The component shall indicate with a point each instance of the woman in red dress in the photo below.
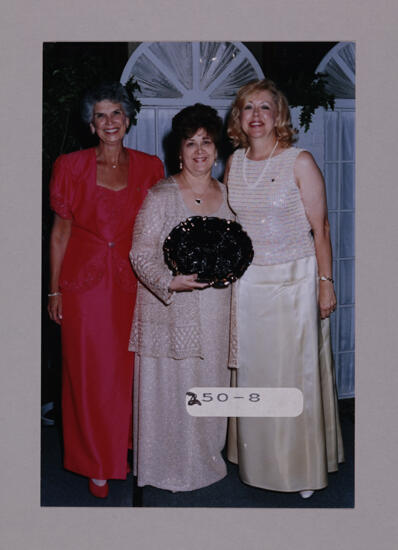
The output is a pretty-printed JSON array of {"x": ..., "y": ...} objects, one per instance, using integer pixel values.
[{"x": 96, "y": 194}]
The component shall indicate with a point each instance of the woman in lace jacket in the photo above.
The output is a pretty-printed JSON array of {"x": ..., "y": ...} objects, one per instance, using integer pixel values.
[
  {"x": 95, "y": 194},
  {"x": 278, "y": 195},
  {"x": 180, "y": 328}
]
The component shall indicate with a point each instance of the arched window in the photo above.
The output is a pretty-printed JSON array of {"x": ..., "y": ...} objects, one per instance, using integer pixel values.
[
  {"x": 173, "y": 75},
  {"x": 339, "y": 66}
]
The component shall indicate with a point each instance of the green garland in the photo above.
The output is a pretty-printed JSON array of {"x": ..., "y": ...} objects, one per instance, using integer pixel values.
[
  {"x": 132, "y": 86},
  {"x": 308, "y": 91}
]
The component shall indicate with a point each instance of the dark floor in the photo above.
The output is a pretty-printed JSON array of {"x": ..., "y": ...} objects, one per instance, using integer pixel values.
[{"x": 62, "y": 488}]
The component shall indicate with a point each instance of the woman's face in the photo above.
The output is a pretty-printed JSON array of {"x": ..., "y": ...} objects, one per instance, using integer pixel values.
[
  {"x": 258, "y": 115},
  {"x": 198, "y": 153},
  {"x": 109, "y": 121}
]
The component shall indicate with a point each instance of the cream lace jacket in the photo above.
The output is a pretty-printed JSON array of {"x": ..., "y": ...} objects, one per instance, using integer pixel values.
[{"x": 165, "y": 324}]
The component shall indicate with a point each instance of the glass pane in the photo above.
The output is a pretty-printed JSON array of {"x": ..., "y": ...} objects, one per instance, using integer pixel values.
[
  {"x": 335, "y": 269},
  {"x": 346, "y": 243},
  {"x": 338, "y": 82},
  {"x": 333, "y": 334},
  {"x": 332, "y": 136},
  {"x": 346, "y": 329},
  {"x": 130, "y": 139},
  {"x": 333, "y": 232},
  {"x": 345, "y": 374},
  {"x": 347, "y": 189},
  {"x": 346, "y": 282},
  {"x": 145, "y": 131},
  {"x": 223, "y": 113},
  {"x": 240, "y": 76},
  {"x": 347, "y": 54},
  {"x": 153, "y": 83},
  {"x": 214, "y": 58},
  {"x": 331, "y": 182},
  {"x": 347, "y": 135},
  {"x": 177, "y": 58}
]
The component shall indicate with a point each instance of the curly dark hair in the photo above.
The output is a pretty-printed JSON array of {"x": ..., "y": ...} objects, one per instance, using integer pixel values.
[
  {"x": 188, "y": 121},
  {"x": 111, "y": 91}
]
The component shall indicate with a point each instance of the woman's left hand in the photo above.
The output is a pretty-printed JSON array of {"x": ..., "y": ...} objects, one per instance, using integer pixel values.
[
  {"x": 181, "y": 283},
  {"x": 327, "y": 299}
]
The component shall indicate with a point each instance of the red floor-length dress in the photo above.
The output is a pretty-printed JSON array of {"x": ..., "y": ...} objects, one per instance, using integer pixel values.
[{"x": 98, "y": 296}]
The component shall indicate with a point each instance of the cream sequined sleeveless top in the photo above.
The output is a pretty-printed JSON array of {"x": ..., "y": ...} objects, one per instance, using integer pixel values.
[{"x": 270, "y": 210}]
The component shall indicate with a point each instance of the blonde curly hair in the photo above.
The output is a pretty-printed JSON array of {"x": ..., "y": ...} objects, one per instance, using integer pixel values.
[{"x": 285, "y": 133}]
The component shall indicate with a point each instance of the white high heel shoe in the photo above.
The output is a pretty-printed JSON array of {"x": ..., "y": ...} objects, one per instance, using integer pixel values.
[{"x": 306, "y": 494}]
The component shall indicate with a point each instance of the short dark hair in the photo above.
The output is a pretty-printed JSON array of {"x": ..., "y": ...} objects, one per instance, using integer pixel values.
[
  {"x": 188, "y": 121},
  {"x": 111, "y": 91}
]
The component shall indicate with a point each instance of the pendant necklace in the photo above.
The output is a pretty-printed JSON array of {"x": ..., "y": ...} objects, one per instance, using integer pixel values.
[
  {"x": 196, "y": 196},
  {"x": 116, "y": 163},
  {"x": 263, "y": 171}
]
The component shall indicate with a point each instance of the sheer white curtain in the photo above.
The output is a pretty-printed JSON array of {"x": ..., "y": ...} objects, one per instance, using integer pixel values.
[{"x": 340, "y": 188}]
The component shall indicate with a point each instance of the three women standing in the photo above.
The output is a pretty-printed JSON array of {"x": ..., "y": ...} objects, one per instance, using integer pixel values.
[
  {"x": 278, "y": 195},
  {"x": 96, "y": 194},
  {"x": 180, "y": 329}
]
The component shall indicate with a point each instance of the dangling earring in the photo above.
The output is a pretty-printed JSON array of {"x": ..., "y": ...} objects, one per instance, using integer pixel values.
[
  {"x": 180, "y": 164},
  {"x": 215, "y": 162}
]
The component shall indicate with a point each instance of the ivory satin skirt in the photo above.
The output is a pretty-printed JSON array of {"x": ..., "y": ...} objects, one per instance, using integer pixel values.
[{"x": 283, "y": 343}]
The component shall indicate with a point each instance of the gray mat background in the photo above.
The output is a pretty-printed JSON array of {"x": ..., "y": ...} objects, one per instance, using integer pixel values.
[{"x": 24, "y": 26}]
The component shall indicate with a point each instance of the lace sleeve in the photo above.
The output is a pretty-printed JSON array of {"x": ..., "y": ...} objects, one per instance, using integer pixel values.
[{"x": 146, "y": 254}]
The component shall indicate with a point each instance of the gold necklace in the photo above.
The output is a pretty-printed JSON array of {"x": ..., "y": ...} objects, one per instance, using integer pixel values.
[{"x": 116, "y": 163}]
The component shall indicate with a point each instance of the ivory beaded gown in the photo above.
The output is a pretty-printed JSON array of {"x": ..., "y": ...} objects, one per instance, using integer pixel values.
[{"x": 280, "y": 340}]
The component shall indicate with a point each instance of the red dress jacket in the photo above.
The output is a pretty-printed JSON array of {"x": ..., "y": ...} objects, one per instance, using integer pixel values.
[{"x": 73, "y": 196}]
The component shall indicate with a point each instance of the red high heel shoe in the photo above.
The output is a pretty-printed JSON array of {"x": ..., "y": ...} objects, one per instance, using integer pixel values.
[{"x": 99, "y": 491}]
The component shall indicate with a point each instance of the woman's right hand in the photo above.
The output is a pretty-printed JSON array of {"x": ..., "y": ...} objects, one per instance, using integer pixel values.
[
  {"x": 54, "y": 308},
  {"x": 59, "y": 239},
  {"x": 181, "y": 283}
]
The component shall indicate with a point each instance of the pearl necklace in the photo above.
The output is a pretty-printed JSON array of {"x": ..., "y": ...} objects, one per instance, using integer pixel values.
[{"x": 263, "y": 171}]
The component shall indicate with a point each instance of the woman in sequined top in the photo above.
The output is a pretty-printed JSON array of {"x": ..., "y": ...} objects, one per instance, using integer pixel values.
[
  {"x": 95, "y": 194},
  {"x": 180, "y": 332},
  {"x": 278, "y": 195}
]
